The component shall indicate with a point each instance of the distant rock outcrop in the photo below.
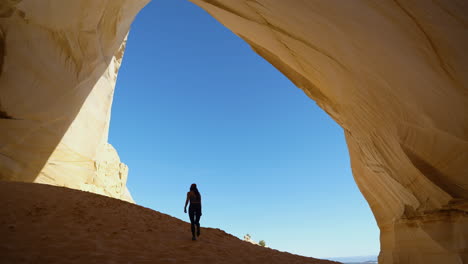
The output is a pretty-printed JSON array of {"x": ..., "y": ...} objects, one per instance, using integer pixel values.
[
  {"x": 248, "y": 238},
  {"x": 393, "y": 74}
]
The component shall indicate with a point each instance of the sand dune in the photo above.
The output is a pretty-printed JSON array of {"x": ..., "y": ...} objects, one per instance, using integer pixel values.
[{"x": 47, "y": 224}]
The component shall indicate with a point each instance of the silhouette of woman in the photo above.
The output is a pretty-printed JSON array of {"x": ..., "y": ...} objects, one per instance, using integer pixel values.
[{"x": 194, "y": 209}]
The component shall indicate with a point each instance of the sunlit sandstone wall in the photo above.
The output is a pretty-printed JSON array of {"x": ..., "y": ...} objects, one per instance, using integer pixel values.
[
  {"x": 393, "y": 74},
  {"x": 58, "y": 66}
]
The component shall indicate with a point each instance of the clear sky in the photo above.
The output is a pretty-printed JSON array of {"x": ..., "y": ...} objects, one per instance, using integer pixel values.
[{"x": 194, "y": 104}]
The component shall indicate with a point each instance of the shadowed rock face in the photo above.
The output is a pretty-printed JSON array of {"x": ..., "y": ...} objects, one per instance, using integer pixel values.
[{"x": 393, "y": 74}]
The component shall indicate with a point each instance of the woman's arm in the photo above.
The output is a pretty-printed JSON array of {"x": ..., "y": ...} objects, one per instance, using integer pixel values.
[{"x": 186, "y": 202}]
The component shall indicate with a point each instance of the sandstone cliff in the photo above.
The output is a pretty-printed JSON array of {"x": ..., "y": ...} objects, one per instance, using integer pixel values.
[
  {"x": 393, "y": 74},
  {"x": 58, "y": 66}
]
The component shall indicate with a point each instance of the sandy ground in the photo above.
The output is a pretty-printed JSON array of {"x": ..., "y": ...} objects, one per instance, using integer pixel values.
[{"x": 47, "y": 224}]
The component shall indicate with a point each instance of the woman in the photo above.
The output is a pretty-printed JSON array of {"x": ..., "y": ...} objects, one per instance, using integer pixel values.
[{"x": 194, "y": 209}]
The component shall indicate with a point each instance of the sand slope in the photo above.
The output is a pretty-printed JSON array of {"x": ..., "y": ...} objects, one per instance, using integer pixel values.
[{"x": 47, "y": 224}]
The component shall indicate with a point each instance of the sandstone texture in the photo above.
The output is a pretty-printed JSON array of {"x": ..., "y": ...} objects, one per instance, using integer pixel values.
[
  {"x": 58, "y": 66},
  {"x": 77, "y": 227},
  {"x": 248, "y": 238},
  {"x": 393, "y": 74}
]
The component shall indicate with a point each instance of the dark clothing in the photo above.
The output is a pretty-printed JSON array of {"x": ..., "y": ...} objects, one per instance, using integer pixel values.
[
  {"x": 193, "y": 197},
  {"x": 195, "y": 213}
]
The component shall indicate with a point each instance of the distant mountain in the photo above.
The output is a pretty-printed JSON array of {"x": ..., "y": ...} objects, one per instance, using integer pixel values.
[{"x": 357, "y": 259}]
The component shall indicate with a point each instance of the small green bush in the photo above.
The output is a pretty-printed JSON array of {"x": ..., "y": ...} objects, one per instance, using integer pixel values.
[{"x": 262, "y": 243}]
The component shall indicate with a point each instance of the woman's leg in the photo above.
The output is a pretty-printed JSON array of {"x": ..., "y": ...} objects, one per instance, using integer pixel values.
[
  {"x": 197, "y": 220},
  {"x": 192, "y": 220}
]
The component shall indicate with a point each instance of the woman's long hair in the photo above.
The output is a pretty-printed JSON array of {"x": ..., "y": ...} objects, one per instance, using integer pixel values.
[{"x": 194, "y": 189}]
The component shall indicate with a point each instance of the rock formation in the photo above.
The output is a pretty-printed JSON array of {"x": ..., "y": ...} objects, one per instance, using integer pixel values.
[
  {"x": 393, "y": 74},
  {"x": 248, "y": 238},
  {"x": 58, "y": 66}
]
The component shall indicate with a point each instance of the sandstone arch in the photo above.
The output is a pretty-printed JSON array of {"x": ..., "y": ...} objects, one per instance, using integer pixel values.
[{"x": 393, "y": 74}]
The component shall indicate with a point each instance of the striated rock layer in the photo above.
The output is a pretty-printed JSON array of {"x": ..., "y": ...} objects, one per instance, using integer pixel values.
[
  {"x": 58, "y": 66},
  {"x": 393, "y": 74}
]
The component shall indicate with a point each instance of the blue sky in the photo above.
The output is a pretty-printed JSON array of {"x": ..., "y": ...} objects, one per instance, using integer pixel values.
[{"x": 194, "y": 103}]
